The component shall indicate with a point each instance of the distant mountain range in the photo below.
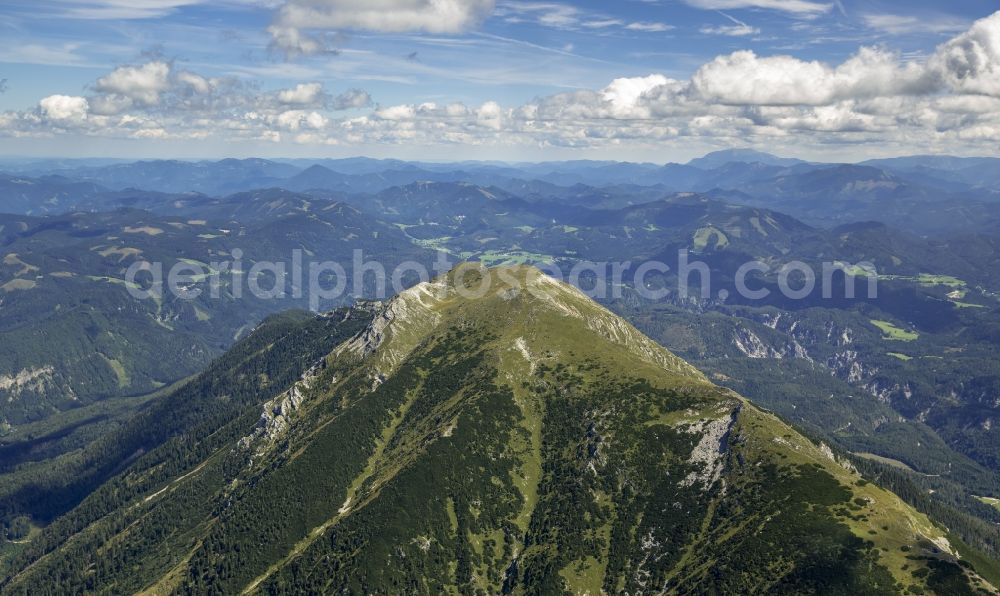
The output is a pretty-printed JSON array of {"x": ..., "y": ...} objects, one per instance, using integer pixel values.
[{"x": 925, "y": 195}]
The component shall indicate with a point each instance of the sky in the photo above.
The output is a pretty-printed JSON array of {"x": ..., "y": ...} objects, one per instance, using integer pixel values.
[{"x": 514, "y": 80}]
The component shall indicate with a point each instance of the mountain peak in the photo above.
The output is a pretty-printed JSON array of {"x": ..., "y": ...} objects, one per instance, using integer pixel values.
[{"x": 521, "y": 306}]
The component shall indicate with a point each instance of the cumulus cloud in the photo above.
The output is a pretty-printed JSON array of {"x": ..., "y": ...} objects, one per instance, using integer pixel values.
[
  {"x": 109, "y": 105},
  {"x": 156, "y": 100},
  {"x": 64, "y": 107},
  {"x": 352, "y": 99},
  {"x": 624, "y": 94},
  {"x": 142, "y": 84},
  {"x": 743, "y": 78},
  {"x": 293, "y": 41},
  {"x": 146, "y": 85},
  {"x": 313, "y": 95},
  {"x": 874, "y": 96},
  {"x": 295, "y": 120},
  {"x": 490, "y": 115},
  {"x": 195, "y": 82},
  {"x": 400, "y": 112},
  {"x": 297, "y": 20},
  {"x": 302, "y": 94},
  {"x": 970, "y": 63}
]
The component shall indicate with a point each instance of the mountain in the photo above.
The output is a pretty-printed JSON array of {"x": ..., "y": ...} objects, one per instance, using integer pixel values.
[
  {"x": 677, "y": 221},
  {"x": 984, "y": 173},
  {"x": 210, "y": 177},
  {"x": 888, "y": 188},
  {"x": 937, "y": 162},
  {"x": 428, "y": 210},
  {"x": 944, "y": 169},
  {"x": 726, "y": 156},
  {"x": 316, "y": 177},
  {"x": 45, "y": 194},
  {"x": 520, "y": 439},
  {"x": 834, "y": 182},
  {"x": 840, "y": 194}
]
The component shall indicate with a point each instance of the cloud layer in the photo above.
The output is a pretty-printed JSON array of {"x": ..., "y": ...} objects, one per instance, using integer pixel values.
[{"x": 951, "y": 98}]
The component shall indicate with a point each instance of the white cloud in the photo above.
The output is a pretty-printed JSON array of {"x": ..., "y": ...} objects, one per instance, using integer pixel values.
[
  {"x": 142, "y": 84},
  {"x": 195, "y": 82},
  {"x": 798, "y": 7},
  {"x": 293, "y": 41},
  {"x": 302, "y": 94},
  {"x": 156, "y": 100},
  {"x": 549, "y": 14},
  {"x": 295, "y": 120},
  {"x": 352, "y": 99},
  {"x": 490, "y": 115},
  {"x": 967, "y": 104},
  {"x": 649, "y": 27},
  {"x": 875, "y": 96},
  {"x": 730, "y": 30},
  {"x": 456, "y": 110},
  {"x": 970, "y": 63},
  {"x": 624, "y": 94},
  {"x": 743, "y": 78},
  {"x": 602, "y": 23},
  {"x": 64, "y": 107},
  {"x": 109, "y": 105},
  {"x": 297, "y": 18},
  {"x": 400, "y": 112},
  {"x": 566, "y": 16}
]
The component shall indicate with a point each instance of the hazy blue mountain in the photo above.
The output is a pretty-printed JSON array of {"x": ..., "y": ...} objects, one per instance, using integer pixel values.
[
  {"x": 721, "y": 158},
  {"x": 317, "y": 177},
  {"x": 45, "y": 194},
  {"x": 732, "y": 171},
  {"x": 834, "y": 195},
  {"x": 985, "y": 173},
  {"x": 955, "y": 173},
  {"x": 936, "y": 162},
  {"x": 210, "y": 177}
]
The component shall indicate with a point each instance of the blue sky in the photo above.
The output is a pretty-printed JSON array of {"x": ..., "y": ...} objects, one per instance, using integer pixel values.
[{"x": 533, "y": 78}]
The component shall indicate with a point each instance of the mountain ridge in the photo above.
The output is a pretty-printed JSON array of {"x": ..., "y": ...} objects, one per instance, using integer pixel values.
[{"x": 516, "y": 439}]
